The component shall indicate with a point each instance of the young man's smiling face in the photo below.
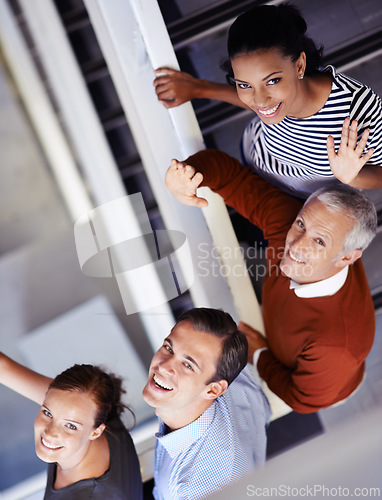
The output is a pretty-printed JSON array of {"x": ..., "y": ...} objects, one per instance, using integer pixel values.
[
  {"x": 314, "y": 244},
  {"x": 180, "y": 374}
]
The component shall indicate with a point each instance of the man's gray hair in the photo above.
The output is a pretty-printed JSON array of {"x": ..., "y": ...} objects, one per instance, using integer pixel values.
[{"x": 354, "y": 204}]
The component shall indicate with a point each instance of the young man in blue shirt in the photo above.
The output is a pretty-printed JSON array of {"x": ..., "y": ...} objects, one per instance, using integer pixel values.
[{"x": 212, "y": 414}]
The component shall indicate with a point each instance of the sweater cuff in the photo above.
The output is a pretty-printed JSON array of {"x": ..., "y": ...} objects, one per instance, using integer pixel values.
[
  {"x": 200, "y": 162},
  {"x": 256, "y": 355}
]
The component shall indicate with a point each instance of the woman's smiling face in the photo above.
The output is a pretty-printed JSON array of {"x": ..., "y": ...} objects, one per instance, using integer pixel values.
[
  {"x": 269, "y": 83},
  {"x": 64, "y": 427}
]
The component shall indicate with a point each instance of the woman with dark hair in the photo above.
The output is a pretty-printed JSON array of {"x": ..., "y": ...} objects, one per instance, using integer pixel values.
[
  {"x": 78, "y": 431},
  {"x": 312, "y": 125}
]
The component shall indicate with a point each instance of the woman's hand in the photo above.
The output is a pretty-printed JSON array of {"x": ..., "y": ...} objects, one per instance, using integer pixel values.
[
  {"x": 255, "y": 339},
  {"x": 347, "y": 162},
  {"x": 175, "y": 87},
  {"x": 183, "y": 182}
]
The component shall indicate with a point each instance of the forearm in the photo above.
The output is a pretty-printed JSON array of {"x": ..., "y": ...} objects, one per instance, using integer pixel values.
[
  {"x": 21, "y": 379},
  {"x": 219, "y": 92},
  {"x": 279, "y": 380},
  {"x": 305, "y": 388},
  {"x": 174, "y": 88},
  {"x": 221, "y": 173},
  {"x": 369, "y": 177},
  {"x": 242, "y": 189}
]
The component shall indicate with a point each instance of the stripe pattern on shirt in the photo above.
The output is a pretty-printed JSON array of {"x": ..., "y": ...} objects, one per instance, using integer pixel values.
[{"x": 295, "y": 148}]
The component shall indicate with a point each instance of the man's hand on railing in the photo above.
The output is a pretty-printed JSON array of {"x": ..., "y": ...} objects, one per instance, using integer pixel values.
[{"x": 183, "y": 181}]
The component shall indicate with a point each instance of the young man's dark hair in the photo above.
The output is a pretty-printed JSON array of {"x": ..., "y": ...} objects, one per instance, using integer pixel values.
[{"x": 235, "y": 345}]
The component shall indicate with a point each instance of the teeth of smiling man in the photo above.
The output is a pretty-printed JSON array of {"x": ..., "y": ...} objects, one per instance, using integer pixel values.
[
  {"x": 269, "y": 111},
  {"x": 50, "y": 446},
  {"x": 161, "y": 384},
  {"x": 293, "y": 257}
]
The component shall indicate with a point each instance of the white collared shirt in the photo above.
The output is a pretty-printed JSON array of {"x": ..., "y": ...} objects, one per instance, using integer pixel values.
[
  {"x": 227, "y": 441},
  {"x": 322, "y": 288}
]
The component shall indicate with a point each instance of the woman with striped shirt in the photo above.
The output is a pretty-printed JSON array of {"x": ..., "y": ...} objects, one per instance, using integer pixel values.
[{"x": 313, "y": 126}]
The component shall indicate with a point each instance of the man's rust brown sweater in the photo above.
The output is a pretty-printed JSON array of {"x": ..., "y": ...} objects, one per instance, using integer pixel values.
[{"x": 317, "y": 346}]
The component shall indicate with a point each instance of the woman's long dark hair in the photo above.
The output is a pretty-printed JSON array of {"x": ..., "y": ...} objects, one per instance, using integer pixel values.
[{"x": 273, "y": 26}]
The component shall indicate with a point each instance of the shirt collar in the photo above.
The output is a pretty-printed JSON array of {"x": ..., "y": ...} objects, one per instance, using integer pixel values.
[
  {"x": 177, "y": 441},
  {"x": 322, "y": 288}
]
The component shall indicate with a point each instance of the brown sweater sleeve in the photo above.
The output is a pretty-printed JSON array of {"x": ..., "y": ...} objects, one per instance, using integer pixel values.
[
  {"x": 246, "y": 192},
  {"x": 315, "y": 382}
]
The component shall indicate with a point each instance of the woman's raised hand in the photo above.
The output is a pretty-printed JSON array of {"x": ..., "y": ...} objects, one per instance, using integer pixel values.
[
  {"x": 347, "y": 162},
  {"x": 183, "y": 181}
]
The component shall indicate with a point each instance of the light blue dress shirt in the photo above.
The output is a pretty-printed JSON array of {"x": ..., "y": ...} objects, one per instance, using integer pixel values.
[{"x": 225, "y": 442}]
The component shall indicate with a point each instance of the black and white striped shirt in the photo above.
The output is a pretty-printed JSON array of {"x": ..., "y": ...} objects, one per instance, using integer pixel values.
[{"x": 292, "y": 154}]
